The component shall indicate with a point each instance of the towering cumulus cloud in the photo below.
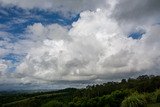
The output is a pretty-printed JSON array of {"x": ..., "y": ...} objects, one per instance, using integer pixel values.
[{"x": 96, "y": 47}]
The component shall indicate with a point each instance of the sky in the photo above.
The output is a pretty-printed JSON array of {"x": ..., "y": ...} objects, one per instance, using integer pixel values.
[{"x": 54, "y": 44}]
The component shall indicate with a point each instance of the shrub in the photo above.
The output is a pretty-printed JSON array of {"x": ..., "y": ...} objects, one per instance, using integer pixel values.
[
  {"x": 157, "y": 93},
  {"x": 116, "y": 97},
  {"x": 150, "y": 97},
  {"x": 135, "y": 100}
]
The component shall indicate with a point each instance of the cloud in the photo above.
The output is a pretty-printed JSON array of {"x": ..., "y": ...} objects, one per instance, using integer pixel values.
[
  {"x": 3, "y": 66},
  {"x": 97, "y": 50},
  {"x": 136, "y": 13},
  {"x": 53, "y": 31},
  {"x": 137, "y": 10},
  {"x": 11, "y": 44},
  {"x": 71, "y": 6},
  {"x": 4, "y": 71}
]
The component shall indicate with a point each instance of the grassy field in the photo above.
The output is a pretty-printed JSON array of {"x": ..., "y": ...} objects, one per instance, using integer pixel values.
[{"x": 30, "y": 101}]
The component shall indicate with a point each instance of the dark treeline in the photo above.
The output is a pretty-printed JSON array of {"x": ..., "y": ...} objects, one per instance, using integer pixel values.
[
  {"x": 133, "y": 92},
  {"x": 141, "y": 84}
]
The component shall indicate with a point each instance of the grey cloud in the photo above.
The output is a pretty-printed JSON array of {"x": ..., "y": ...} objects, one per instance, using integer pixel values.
[
  {"x": 118, "y": 60},
  {"x": 137, "y": 11},
  {"x": 76, "y": 63}
]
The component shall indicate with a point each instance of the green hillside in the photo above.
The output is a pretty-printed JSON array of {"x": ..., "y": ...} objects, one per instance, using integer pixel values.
[{"x": 140, "y": 92}]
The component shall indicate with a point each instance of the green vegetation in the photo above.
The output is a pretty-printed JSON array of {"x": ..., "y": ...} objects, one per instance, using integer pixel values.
[
  {"x": 140, "y": 92},
  {"x": 154, "y": 105},
  {"x": 135, "y": 100}
]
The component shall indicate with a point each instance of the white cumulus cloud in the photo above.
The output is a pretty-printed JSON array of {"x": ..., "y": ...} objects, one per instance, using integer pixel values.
[{"x": 96, "y": 49}]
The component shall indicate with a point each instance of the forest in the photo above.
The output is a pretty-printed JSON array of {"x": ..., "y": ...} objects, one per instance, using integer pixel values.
[{"x": 143, "y": 91}]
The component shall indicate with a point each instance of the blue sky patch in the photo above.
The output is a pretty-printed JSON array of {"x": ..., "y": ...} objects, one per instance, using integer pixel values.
[
  {"x": 14, "y": 58},
  {"x": 15, "y": 19},
  {"x": 136, "y": 35}
]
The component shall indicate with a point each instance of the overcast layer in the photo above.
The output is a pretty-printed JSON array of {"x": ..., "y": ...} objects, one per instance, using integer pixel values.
[{"x": 111, "y": 39}]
